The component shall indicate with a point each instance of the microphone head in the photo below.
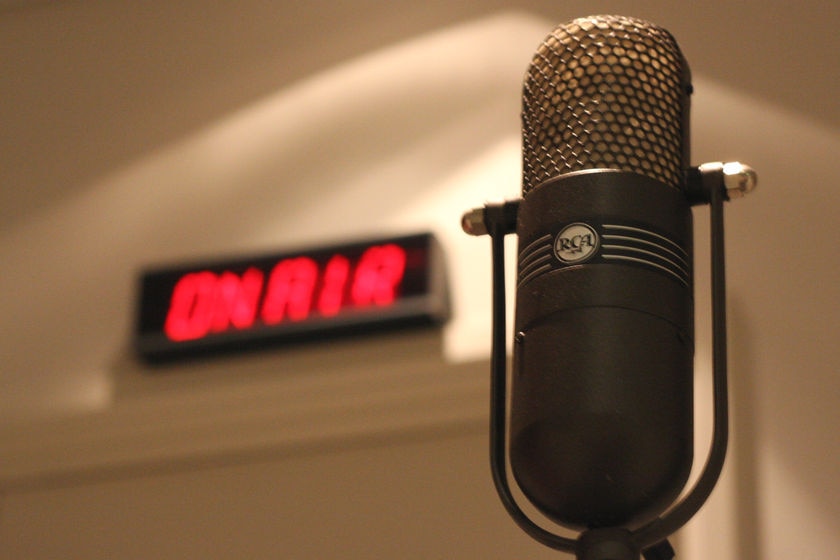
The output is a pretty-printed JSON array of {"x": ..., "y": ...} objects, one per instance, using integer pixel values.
[{"x": 606, "y": 92}]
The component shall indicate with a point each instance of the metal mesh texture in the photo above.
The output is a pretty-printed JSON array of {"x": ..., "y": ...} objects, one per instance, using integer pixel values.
[{"x": 606, "y": 92}]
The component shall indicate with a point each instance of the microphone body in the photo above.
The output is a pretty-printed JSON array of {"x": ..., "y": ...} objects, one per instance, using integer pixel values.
[{"x": 601, "y": 421}]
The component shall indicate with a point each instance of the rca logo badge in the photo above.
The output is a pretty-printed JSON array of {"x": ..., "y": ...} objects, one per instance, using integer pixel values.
[{"x": 576, "y": 243}]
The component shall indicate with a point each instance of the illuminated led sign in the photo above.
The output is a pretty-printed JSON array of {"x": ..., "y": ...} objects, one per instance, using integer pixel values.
[{"x": 241, "y": 303}]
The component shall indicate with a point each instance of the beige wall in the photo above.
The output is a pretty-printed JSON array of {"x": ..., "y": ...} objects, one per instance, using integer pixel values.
[{"x": 136, "y": 134}]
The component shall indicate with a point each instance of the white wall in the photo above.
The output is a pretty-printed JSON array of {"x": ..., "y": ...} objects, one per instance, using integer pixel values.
[{"x": 139, "y": 134}]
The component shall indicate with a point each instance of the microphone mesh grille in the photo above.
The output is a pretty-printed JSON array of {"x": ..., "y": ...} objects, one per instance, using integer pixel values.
[{"x": 605, "y": 92}]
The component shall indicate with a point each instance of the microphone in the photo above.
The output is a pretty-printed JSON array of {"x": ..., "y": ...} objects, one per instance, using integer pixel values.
[
  {"x": 601, "y": 412},
  {"x": 601, "y": 406}
]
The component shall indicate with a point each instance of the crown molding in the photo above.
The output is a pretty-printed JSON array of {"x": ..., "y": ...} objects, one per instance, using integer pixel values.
[{"x": 316, "y": 398}]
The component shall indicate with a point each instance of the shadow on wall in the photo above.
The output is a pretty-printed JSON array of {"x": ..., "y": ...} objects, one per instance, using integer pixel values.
[{"x": 744, "y": 453}]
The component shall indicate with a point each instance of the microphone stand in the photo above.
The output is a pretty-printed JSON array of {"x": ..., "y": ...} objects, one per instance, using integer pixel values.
[{"x": 707, "y": 184}]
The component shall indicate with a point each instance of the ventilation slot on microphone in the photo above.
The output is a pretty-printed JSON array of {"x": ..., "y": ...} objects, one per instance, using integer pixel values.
[
  {"x": 639, "y": 246},
  {"x": 535, "y": 259}
]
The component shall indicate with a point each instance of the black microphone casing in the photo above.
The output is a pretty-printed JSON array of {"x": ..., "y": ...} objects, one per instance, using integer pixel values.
[{"x": 601, "y": 426}]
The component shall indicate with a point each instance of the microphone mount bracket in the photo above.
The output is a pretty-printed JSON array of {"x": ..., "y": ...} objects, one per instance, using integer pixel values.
[
  {"x": 706, "y": 184},
  {"x": 734, "y": 179}
]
